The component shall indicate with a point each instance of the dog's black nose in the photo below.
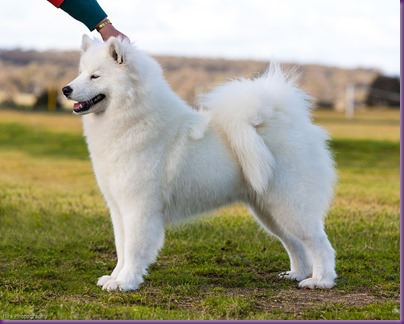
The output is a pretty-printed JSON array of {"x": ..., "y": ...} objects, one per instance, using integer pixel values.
[{"x": 67, "y": 91}]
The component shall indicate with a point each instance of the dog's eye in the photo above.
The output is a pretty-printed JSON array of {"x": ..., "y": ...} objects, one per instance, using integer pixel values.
[{"x": 94, "y": 76}]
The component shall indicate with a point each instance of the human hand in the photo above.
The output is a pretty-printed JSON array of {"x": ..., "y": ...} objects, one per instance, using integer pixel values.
[{"x": 110, "y": 31}]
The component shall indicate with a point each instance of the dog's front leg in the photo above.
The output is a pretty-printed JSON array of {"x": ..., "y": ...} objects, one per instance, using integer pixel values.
[
  {"x": 144, "y": 236},
  {"x": 119, "y": 234}
]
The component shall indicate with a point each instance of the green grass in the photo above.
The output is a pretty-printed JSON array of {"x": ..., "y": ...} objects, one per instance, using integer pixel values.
[{"x": 56, "y": 239}]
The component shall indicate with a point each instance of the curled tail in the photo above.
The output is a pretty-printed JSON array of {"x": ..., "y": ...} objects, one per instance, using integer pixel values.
[
  {"x": 254, "y": 157},
  {"x": 241, "y": 109}
]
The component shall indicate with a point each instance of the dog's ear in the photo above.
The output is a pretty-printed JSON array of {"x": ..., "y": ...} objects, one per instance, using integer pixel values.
[
  {"x": 116, "y": 50},
  {"x": 86, "y": 42}
]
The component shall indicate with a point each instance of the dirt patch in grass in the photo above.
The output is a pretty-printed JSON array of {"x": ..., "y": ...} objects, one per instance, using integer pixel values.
[
  {"x": 294, "y": 302},
  {"x": 286, "y": 301}
]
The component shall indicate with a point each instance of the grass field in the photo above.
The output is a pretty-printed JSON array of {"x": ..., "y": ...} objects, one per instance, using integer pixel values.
[{"x": 56, "y": 237}]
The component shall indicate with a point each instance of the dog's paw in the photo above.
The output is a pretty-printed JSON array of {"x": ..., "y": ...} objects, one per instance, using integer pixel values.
[
  {"x": 291, "y": 275},
  {"x": 115, "y": 285},
  {"x": 104, "y": 279},
  {"x": 313, "y": 283},
  {"x": 123, "y": 283},
  {"x": 111, "y": 285}
]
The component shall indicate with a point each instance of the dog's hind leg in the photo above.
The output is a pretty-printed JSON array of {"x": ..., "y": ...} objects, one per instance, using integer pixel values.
[
  {"x": 309, "y": 231},
  {"x": 323, "y": 254},
  {"x": 301, "y": 262}
]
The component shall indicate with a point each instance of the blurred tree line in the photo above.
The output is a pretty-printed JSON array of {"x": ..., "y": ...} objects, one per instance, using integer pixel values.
[{"x": 34, "y": 73}]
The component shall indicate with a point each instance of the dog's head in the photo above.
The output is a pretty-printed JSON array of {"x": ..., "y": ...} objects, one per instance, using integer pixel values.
[{"x": 102, "y": 69}]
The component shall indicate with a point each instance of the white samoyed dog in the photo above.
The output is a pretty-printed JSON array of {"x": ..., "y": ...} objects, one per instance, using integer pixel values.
[{"x": 158, "y": 161}]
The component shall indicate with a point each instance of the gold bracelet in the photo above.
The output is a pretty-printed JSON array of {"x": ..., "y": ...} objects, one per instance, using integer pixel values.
[{"x": 103, "y": 24}]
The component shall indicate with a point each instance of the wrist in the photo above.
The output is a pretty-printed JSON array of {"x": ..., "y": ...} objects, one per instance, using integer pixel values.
[
  {"x": 107, "y": 30},
  {"x": 104, "y": 23}
]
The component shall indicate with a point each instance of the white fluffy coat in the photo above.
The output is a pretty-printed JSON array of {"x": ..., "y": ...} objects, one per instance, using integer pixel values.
[{"x": 156, "y": 160}]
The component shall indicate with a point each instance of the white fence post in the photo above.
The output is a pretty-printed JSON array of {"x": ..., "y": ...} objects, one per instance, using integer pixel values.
[{"x": 349, "y": 100}]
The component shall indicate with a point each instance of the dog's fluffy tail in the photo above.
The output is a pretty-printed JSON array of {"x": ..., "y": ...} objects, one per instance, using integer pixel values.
[{"x": 242, "y": 110}]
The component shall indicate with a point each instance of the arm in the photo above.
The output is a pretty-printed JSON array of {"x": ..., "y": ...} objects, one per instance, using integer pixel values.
[{"x": 90, "y": 13}]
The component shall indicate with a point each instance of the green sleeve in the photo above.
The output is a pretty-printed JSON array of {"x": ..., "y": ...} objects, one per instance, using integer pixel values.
[{"x": 88, "y": 12}]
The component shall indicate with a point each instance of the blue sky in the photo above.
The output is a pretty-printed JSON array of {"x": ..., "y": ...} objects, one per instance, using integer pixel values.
[{"x": 346, "y": 33}]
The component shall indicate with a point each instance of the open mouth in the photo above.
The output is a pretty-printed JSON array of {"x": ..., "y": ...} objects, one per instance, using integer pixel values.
[{"x": 84, "y": 106}]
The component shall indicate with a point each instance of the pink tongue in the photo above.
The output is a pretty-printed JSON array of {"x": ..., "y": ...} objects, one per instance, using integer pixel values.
[{"x": 77, "y": 105}]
